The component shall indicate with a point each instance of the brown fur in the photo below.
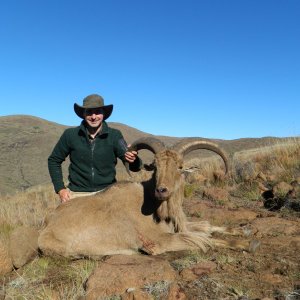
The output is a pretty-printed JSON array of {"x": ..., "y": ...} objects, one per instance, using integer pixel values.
[
  {"x": 107, "y": 223},
  {"x": 128, "y": 217}
]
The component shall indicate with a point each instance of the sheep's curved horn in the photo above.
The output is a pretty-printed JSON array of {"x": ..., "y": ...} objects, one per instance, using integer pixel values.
[
  {"x": 185, "y": 146},
  {"x": 149, "y": 143}
]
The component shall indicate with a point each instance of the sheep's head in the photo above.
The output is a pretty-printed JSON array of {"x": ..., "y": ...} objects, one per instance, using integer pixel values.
[
  {"x": 168, "y": 163},
  {"x": 168, "y": 173}
]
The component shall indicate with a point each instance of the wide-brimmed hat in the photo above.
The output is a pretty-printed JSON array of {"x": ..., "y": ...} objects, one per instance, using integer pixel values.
[{"x": 93, "y": 101}]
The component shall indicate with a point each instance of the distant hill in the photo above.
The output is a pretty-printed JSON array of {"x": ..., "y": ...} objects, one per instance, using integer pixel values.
[{"x": 26, "y": 142}]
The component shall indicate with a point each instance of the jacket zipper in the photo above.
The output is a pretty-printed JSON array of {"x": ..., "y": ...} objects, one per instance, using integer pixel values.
[{"x": 93, "y": 143}]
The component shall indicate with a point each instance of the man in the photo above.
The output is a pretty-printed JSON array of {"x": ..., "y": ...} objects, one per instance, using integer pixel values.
[{"x": 93, "y": 148}]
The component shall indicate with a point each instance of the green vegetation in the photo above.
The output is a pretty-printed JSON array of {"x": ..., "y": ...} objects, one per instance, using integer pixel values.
[
  {"x": 45, "y": 278},
  {"x": 193, "y": 257},
  {"x": 159, "y": 289},
  {"x": 190, "y": 190}
]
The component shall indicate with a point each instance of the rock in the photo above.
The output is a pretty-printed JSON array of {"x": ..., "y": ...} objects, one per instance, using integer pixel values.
[
  {"x": 217, "y": 215},
  {"x": 246, "y": 171},
  {"x": 136, "y": 295},
  {"x": 216, "y": 194},
  {"x": 293, "y": 204},
  {"x": 5, "y": 259},
  {"x": 273, "y": 204},
  {"x": 205, "y": 267},
  {"x": 275, "y": 226},
  {"x": 197, "y": 270},
  {"x": 118, "y": 273},
  {"x": 295, "y": 193},
  {"x": 188, "y": 275},
  {"x": 283, "y": 241},
  {"x": 272, "y": 279},
  {"x": 23, "y": 246},
  {"x": 176, "y": 293}
]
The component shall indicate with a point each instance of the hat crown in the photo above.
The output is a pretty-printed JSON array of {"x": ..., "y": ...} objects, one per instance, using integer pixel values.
[{"x": 93, "y": 101}]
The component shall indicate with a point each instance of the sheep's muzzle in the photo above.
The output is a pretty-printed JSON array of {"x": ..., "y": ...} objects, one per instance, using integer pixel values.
[{"x": 162, "y": 193}]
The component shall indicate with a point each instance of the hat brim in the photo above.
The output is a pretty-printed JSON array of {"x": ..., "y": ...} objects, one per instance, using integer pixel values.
[{"x": 79, "y": 110}]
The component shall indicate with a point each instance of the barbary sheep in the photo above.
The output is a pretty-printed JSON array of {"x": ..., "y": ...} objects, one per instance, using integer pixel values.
[{"x": 128, "y": 217}]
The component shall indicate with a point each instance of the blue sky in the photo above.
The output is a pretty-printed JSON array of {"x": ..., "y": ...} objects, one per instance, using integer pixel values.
[{"x": 215, "y": 68}]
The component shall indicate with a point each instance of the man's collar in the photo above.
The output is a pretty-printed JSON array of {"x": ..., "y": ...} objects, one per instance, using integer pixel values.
[{"x": 104, "y": 129}]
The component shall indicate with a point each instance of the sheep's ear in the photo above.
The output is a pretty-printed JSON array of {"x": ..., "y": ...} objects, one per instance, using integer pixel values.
[{"x": 149, "y": 167}]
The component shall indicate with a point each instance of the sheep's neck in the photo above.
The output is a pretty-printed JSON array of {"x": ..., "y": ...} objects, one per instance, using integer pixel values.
[
  {"x": 171, "y": 210},
  {"x": 167, "y": 211}
]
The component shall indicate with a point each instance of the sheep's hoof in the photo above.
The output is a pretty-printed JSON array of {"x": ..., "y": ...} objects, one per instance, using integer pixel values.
[
  {"x": 254, "y": 246},
  {"x": 247, "y": 231}
]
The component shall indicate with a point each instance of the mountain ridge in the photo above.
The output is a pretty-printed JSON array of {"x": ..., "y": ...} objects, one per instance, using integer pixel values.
[{"x": 26, "y": 142}]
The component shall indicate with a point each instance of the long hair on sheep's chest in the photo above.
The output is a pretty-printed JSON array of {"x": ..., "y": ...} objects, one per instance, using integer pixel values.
[{"x": 164, "y": 191}]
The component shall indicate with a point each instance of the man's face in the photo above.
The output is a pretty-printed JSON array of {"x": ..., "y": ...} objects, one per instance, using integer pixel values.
[{"x": 94, "y": 117}]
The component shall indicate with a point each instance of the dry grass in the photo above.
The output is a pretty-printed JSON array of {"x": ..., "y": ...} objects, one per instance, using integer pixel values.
[
  {"x": 204, "y": 169},
  {"x": 27, "y": 208},
  {"x": 251, "y": 171},
  {"x": 49, "y": 278},
  {"x": 41, "y": 279},
  {"x": 280, "y": 162}
]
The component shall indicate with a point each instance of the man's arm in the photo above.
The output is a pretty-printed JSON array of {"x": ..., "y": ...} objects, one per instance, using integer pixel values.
[{"x": 55, "y": 160}]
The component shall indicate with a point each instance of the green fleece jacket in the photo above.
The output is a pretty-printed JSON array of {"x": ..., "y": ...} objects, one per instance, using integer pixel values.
[{"x": 92, "y": 165}]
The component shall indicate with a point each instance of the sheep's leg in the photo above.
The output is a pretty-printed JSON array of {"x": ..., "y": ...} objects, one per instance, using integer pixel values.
[
  {"x": 246, "y": 245},
  {"x": 230, "y": 230},
  {"x": 204, "y": 226},
  {"x": 174, "y": 242}
]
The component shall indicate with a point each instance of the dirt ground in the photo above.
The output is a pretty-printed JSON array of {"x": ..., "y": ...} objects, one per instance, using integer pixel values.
[{"x": 272, "y": 272}]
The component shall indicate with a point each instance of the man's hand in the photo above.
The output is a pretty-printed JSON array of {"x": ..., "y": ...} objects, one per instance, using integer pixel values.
[
  {"x": 64, "y": 195},
  {"x": 130, "y": 156}
]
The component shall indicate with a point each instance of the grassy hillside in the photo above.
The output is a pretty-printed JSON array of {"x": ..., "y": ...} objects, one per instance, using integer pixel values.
[
  {"x": 238, "y": 201},
  {"x": 27, "y": 141}
]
